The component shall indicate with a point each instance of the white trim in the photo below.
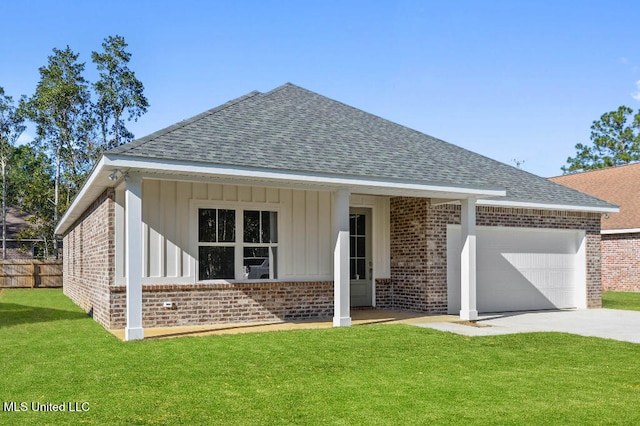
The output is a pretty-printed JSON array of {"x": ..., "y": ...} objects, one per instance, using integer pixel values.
[
  {"x": 620, "y": 231},
  {"x": 83, "y": 191},
  {"x": 542, "y": 206},
  {"x": 341, "y": 279},
  {"x": 468, "y": 264},
  {"x": 119, "y": 231},
  {"x": 169, "y": 166},
  {"x": 189, "y": 280},
  {"x": 133, "y": 265},
  {"x": 580, "y": 277}
]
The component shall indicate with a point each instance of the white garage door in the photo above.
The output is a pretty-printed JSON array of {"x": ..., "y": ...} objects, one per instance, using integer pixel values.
[{"x": 520, "y": 269}]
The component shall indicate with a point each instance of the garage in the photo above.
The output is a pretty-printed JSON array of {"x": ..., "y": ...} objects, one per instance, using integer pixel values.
[{"x": 521, "y": 269}]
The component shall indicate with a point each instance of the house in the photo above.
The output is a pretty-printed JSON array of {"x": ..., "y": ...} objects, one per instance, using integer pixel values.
[
  {"x": 289, "y": 205},
  {"x": 21, "y": 248},
  {"x": 620, "y": 232}
]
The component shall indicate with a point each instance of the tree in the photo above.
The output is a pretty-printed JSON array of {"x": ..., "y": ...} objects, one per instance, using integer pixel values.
[
  {"x": 118, "y": 91},
  {"x": 31, "y": 189},
  {"x": 11, "y": 127},
  {"x": 61, "y": 110},
  {"x": 616, "y": 141}
]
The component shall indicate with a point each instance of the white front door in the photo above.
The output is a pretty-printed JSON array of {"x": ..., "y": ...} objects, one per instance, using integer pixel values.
[{"x": 361, "y": 267}]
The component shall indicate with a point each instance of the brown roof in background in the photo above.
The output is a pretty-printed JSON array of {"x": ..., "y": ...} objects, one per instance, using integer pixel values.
[
  {"x": 16, "y": 220},
  {"x": 617, "y": 185}
]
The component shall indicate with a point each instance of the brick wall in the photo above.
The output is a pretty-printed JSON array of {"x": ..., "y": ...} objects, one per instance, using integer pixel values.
[
  {"x": 409, "y": 257},
  {"x": 419, "y": 247},
  {"x": 200, "y": 304},
  {"x": 384, "y": 293},
  {"x": 621, "y": 262},
  {"x": 88, "y": 253}
]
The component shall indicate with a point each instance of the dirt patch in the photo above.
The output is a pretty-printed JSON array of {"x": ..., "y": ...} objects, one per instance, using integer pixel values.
[{"x": 473, "y": 324}]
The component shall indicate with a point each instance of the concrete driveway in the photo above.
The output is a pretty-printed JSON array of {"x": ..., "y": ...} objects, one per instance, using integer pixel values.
[{"x": 606, "y": 323}]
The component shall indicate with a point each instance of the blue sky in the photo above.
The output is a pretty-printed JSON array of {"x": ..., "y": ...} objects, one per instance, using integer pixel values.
[{"x": 507, "y": 79}]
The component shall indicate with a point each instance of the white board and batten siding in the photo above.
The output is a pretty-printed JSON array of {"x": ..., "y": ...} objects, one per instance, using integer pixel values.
[
  {"x": 521, "y": 269},
  {"x": 305, "y": 228}
]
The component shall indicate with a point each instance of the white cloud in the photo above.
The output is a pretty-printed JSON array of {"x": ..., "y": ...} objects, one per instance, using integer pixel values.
[{"x": 624, "y": 60}]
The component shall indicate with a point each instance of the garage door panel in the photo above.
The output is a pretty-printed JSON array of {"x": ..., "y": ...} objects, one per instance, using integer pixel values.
[{"x": 518, "y": 268}]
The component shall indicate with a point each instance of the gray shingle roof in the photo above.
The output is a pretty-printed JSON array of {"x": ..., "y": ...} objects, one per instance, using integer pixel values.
[{"x": 293, "y": 129}]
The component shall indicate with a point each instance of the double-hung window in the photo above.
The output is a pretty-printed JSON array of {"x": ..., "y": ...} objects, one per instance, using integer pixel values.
[
  {"x": 237, "y": 244},
  {"x": 216, "y": 244}
]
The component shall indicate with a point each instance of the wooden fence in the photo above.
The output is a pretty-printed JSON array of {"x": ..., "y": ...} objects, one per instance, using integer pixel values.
[{"x": 30, "y": 273}]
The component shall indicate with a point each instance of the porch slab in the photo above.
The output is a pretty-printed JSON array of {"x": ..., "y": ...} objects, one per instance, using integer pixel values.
[{"x": 358, "y": 317}]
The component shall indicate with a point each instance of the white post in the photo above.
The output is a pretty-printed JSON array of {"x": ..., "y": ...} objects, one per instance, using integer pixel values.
[
  {"x": 468, "y": 309},
  {"x": 133, "y": 257},
  {"x": 341, "y": 293}
]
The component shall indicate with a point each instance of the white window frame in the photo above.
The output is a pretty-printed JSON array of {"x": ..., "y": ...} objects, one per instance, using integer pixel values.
[{"x": 239, "y": 244}]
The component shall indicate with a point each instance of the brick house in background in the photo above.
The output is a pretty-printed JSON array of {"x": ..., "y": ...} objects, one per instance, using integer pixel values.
[
  {"x": 288, "y": 205},
  {"x": 620, "y": 231}
]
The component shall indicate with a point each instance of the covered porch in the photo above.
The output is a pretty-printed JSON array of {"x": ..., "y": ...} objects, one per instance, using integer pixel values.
[{"x": 339, "y": 200}]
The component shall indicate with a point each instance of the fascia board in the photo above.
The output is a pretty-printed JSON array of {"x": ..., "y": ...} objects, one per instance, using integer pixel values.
[
  {"x": 165, "y": 166},
  {"x": 620, "y": 231},
  {"x": 89, "y": 184},
  {"x": 544, "y": 206}
]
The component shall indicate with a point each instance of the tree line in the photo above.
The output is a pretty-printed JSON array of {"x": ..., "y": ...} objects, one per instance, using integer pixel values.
[
  {"x": 615, "y": 141},
  {"x": 75, "y": 121}
]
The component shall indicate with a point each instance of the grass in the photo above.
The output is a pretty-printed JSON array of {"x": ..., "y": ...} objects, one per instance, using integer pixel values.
[
  {"x": 621, "y": 300},
  {"x": 378, "y": 375}
]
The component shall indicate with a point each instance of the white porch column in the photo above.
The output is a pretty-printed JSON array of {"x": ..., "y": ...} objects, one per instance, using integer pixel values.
[
  {"x": 133, "y": 257},
  {"x": 341, "y": 294},
  {"x": 468, "y": 261}
]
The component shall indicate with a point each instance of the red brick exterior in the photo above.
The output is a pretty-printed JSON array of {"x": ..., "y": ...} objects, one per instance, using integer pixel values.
[
  {"x": 384, "y": 294},
  {"x": 621, "y": 262},
  {"x": 418, "y": 270},
  {"x": 88, "y": 253},
  {"x": 419, "y": 247},
  {"x": 198, "y": 304}
]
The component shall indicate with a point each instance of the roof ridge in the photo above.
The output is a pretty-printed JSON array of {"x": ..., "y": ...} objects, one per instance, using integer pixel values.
[
  {"x": 152, "y": 136},
  {"x": 619, "y": 166}
]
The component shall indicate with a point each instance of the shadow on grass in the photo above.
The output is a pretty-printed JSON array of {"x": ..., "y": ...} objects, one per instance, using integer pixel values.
[{"x": 12, "y": 314}]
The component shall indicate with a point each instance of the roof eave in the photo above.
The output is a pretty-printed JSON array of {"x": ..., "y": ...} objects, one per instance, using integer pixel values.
[
  {"x": 548, "y": 206},
  {"x": 98, "y": 182}
]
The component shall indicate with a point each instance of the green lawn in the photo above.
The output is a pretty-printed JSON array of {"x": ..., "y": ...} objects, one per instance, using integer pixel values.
[
  {"x": 621, "y": 300},
  {"x": 51, "y": 352}
]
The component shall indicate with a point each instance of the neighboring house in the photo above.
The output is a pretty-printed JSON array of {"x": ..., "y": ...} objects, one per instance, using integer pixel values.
[
  {"x": 20, "y": 248},
  {"x": 287, "y": 205},
  {"x": 620, "y": 231}
]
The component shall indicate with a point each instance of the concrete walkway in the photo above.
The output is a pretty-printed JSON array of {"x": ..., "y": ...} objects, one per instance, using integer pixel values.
[
  {"x": 606, "y": 323},
  {"x": 359, "y": 317}
]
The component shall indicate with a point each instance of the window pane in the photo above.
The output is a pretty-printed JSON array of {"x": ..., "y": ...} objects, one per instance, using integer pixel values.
[
  {"x": 269, "y": 227},
  {"x": 360, "y": 250},
  {"x": 226, "y": 226},
  {"x": 274, "y": 262},
  {"x": 215, "y": 263},
  {"x": 361, "y": 269},
  {"x": 352, "y": 269},
  {"x": 352, "y": 224},
  {"x": 360, "y": 224},
  {"x": 352, "y": 246},
  {"x": 207, "y": 225},
  {"x": 256, "y": 263},
  {"x": 251, "y": 226}
]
